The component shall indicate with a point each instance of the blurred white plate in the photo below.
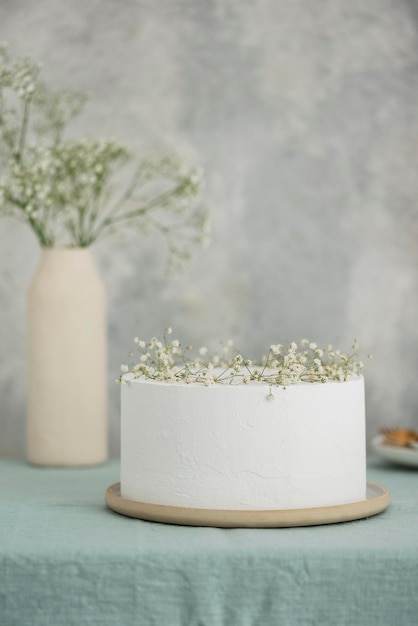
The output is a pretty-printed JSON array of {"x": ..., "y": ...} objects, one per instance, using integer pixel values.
[{"x": 402, "y": 456}]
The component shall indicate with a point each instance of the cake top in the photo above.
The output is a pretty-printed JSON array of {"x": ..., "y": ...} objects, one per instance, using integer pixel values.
[{"x": 168, "y": 361}]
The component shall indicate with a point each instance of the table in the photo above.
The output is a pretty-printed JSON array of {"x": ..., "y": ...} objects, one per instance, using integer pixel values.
[{"x": 66, "y": 559}]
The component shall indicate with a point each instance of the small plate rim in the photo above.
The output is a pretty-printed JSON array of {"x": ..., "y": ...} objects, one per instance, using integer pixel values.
[{"x": 396, "y": 454}]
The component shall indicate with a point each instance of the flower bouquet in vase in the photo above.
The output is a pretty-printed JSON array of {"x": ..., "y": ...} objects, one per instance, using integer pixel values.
[{"x": 73, "y": 193}]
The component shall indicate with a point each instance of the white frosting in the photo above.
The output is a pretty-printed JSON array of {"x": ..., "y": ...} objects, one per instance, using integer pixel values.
[{"x": 230, "y": 447}]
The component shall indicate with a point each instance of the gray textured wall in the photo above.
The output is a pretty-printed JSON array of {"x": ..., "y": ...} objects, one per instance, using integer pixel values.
[{"x": 304, "y": 115}]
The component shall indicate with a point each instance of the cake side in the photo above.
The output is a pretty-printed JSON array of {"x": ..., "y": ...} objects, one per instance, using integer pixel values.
[{"x": 236, "y": 447}]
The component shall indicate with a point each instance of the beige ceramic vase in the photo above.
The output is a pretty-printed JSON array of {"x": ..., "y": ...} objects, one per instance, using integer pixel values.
[{"x": 67, "y": 391}]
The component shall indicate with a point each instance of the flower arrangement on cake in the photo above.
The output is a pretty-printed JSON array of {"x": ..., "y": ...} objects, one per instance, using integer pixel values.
[
  {"x": 200, "y": 431},
  {"x": 203, "y": 444},
  {"x": 168, "y": 361}
]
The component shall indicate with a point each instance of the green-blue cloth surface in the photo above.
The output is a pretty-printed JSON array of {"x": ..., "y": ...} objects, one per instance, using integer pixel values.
[{"x": 66, "y": 559}]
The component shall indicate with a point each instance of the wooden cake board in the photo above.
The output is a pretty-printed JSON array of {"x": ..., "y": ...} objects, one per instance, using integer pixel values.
[{"x": 377, "y": 500}]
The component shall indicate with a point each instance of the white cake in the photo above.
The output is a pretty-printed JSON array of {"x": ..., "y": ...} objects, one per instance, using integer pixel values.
[{"x": 235, "y": 447}]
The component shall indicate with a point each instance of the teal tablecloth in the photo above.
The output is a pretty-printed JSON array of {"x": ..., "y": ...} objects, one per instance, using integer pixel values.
[{"x": 66, "y": 559}]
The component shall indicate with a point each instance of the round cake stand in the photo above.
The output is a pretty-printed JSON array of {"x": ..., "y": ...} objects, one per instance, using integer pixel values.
[{"x": 377, "y": 500}]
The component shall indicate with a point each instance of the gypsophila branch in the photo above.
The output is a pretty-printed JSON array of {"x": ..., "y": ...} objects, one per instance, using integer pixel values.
[
  {"x": 167, "y": 361},
  {"x": 74, "y": 192}
]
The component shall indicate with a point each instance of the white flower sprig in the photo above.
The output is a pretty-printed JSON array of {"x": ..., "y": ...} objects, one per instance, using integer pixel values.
[
  {"x": 168, "y": 361},
  {"x": 76, "y": 192}
]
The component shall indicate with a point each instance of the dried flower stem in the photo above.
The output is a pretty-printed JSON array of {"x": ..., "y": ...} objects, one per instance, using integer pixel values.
[
  {"x": 65, "y": 189},
  {"x": 166, "y": 361}
]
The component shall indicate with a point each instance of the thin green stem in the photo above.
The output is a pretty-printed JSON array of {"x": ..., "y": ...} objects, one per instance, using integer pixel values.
[
  {"x": 92, "y": 236},
  {"x": 44, "y": 240},
  {"x": 159, "y": 202},
  {"x": 23, "y": 130},
  {"x": 128, "y": 192}
]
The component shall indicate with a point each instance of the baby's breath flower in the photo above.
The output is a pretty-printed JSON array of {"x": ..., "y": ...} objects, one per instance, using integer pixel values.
[
  {"x": 68, "y": 190},
  {"x": 167, "y": 363}
]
